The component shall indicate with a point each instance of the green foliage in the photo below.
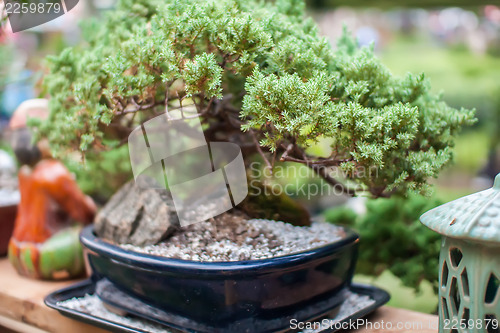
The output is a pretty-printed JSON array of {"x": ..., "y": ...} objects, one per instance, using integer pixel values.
[
  {"x": 393, "y": 238},
  {"x": 295, "y": 108},
  {"x": 203, "y": 66},
  {"x": 102, "y": 173},
  {"x": 391, "y": 4},
  {"x": 258, "y": 69}
]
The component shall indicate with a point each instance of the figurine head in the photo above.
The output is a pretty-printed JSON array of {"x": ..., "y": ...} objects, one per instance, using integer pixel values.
[{"x": 21, "y": 136}]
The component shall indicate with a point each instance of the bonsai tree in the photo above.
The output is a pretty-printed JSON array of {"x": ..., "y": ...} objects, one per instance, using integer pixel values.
[{"x": 259, "y": 74}]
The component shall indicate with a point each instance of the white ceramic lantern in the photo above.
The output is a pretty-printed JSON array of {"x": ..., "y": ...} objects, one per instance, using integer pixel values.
[{"x": 469, "y": 265}]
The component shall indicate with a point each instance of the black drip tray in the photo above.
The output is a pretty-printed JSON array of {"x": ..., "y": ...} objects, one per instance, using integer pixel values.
[
  {"x": 140, "y": 317},
  {"x": 113, "y": 296}
]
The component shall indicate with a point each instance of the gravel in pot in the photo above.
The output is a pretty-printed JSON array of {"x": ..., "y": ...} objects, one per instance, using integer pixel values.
[{"x": 266, "y": 269}]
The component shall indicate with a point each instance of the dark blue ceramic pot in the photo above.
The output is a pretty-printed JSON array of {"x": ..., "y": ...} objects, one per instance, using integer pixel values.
[{"x": 230, "y": 295}]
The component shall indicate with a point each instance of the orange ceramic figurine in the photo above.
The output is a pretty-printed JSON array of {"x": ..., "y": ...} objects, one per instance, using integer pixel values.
[{"x": 45, "y": 240}]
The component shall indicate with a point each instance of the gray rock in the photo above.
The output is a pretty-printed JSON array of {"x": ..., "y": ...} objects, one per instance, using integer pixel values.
[{"x": 138, "y": 215}]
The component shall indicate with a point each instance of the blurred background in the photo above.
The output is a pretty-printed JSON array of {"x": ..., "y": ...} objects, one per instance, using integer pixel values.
[{"x": 455, "y": 43}]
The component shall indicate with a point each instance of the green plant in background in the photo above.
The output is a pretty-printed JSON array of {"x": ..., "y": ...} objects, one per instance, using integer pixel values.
[
  {"x": 320, "y": 4},
  {"x": 103, "y": 172},
  {"x": 394, "y": 239},
  {"x": 492, "y": 166},
  {"x": 258, "y": 74},
  {"x": 6, "y": 54}
]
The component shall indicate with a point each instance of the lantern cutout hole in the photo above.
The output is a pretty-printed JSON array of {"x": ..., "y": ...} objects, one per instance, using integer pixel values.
[
  {"x": 465, "y": 282},
  {"x": 491, "y": 323},
  {"x": 466, "y": 315},
  {"x": 455, "y": 256},
  {"x": 444, "y": 276},
  {"x": 491, "y": 289},
  {"x": 454, "y": 296},
  {"x": 444, "y": 305}
]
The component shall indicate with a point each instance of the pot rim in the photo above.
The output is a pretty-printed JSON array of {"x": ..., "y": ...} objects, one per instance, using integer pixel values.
[{"x": 154, "y": 262}]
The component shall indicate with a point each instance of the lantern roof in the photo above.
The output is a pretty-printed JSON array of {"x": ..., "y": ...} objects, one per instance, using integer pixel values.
[{"x": 474, "y": 217}]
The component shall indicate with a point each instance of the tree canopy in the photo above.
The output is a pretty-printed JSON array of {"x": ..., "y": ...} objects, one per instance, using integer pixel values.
[{"x": 259, "y": 74}]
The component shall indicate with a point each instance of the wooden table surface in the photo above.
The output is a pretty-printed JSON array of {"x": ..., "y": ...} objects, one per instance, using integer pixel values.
[{"x": 22, "y": 309}]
